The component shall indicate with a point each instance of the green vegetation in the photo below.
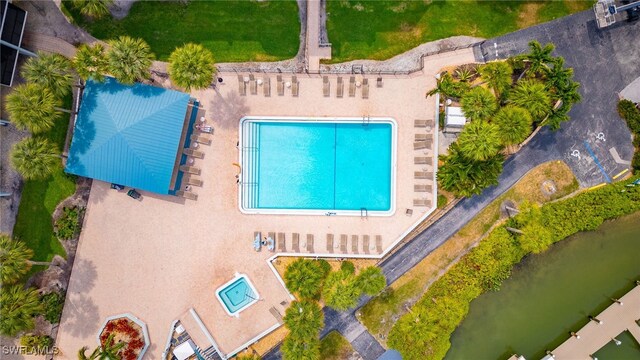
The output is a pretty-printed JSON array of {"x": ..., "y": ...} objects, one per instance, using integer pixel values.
[
  {"x": 36, "y": 343},
  {"x": 304, "y": 320},
  {"x": 425, "y": 331},
  {"x": 68, "y": 225},
  {"x": 108, "y": 351},
  {"x": 381, "y": 29},
  {"x": 129, "y": 59},
  {"x": 191, "y": 66},
  {"x": 92, "y": 8},
  {"x": 91, "y": 62},
  {"x": 32, "y": 107},
  {"x": 35, "y": 158},
  {"x": 40, "y": 198},
  {"x": 305, "y": 277},
  {"x": 342, "y": 288},
  {"x": 233, "y": 30},
  {"x": 631, "y": 114},
  {"x": 503, "y": 116},
  {"x": 335, "y": 347},
  {"x": 19, "y": 306},
  {"x": 442, "y": 201},
  {"x": 53, "y": 303},
  {"x": 52, "y": 71},
  {"x": 14, "y": 257}
]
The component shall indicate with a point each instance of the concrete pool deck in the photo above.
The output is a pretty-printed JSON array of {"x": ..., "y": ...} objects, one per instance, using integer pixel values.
[{"x": 163, "y": 256}]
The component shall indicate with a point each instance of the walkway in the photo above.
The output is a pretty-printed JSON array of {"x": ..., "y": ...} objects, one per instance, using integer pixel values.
[
  {"x": 603, "y": 63},
  {"x": 316, "y": 50},
  {"x": 593, "y": 336}
]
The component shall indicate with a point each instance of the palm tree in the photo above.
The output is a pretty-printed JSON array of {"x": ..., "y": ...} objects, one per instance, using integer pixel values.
[
  {"x": 32, "y": 107},
  {"x": 447, "y": 86},
  {"x": 479, "y": 140},
  {"x": 129, "y": 59},
  {"x": 478, "y": 104},
  {"x": 498, "y": 75},
  {"x": 532, "y": 96},
  {"x": 108, "y": 351},
  {"x": 19, "y": 306},
  {"x": 538, "y": 58},
  {"x": 371, "y": 280},
  {"x": 35, "y": 158},
  {"x": 305, "y": 278},
  {"x": 514, "y": 124},
  {"x": 14, "y": 257},
  {"x": 556, "y": 117},
  {"x": 91, "y": 62},
  {"x": 191, "y": 66},
  {"x": 465, "y": 177},
  {"x": 340, "y": 291},
  {"x": 304, "y": 319},
  {"x": 52, "y": 71},
  {"x": 93, "y": 8},
  {"x": 300, "y": 349}
]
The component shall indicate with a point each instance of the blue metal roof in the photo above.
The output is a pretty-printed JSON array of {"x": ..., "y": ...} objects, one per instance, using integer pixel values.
[{"x": 128, "y": 135}]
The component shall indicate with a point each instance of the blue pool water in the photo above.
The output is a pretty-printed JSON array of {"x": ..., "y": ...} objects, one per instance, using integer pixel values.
[
  {"x": 237, "y": 295},
  {"x": 320, "y": 166}
]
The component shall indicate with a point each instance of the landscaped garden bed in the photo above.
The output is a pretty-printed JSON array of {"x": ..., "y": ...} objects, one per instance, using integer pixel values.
[{"x": 124, "y": 329}]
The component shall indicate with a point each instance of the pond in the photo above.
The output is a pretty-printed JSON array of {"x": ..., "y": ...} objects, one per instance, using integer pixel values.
[{"x": 552, "y": 294}]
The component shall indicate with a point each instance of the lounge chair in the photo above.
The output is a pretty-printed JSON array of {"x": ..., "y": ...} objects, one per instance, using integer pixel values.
[
  {"x": 276, "y": 314},
  {"x": 343, "y": 243},
  {"x": 194, "y": 153},
  {"x": 271, "y": 243},
  {"x": 242, "y": 86},
  {"x": 295, "y": 86},
  {"x": 422, "y": 188},
  {"x": 193, "y": 181},
  {"x": 340, "y": 87},
  {"x": 354, "y": 244},
  {"x": 253, "y": 86},
  {"x": 280, "y": 85},
  {"x": 187, "y": 195},
  {"x": 257, "y": 240},
  {"x": 379, "y": 82},
  {"x": 201, "y": 139},
  {"x": 190, "y": 169},
  {"x": 330, "y": 243},
  {"x": 365, "y": 243},
  {"x": 134, "y": 194},
  {"x": 422, "y": 160},
  {"x": 266, "y": 85},
  {"x": 365, "y": 88},
  {"x": 295, "y": 242},
  {"x": 419, "y": 123},
  {"x": 352, "y": 86},
  {"x": 281, "y": 243},
  {"x": 421, "y": 202},
  {"x": 310, "y": 243},
  {"x": 379, "y": 244},
  {"x": 422, "y": 137},
  {"x": 420, "y": 145},
  {"x": 117, "y": 187},
  {"x": 326, "y": 86},
  {"x": 423, "y": 174},
  {"x": 204, "y": 128}
]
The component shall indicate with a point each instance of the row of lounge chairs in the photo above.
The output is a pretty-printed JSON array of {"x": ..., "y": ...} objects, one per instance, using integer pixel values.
[
  {"x": 266, "y": 85},
  {"x": 423, "y": 141},
  {"x": 282, "y": 246},
  {"x": 326, "y": 87}
]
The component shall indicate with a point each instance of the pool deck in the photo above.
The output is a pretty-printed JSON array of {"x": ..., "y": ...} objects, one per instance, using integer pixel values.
[{"x": 163, "y": 256}]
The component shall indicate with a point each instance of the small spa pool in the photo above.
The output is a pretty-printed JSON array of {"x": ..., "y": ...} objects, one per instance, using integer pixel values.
[{"x": 237, "y": 294}]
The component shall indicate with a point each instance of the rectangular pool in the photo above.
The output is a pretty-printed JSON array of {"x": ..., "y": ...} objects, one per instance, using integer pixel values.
[
  {"x": 237, "y": 295},
  {"x": 325, "y": 166}
]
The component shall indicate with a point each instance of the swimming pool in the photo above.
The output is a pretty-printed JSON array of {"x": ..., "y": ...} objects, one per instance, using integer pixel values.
[
  {"x": 237, "y": 294},
  {"x": 329, "y": 166}
]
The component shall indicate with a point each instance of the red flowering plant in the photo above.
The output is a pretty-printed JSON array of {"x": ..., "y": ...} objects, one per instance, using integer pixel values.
[{"x": 125, "y": 331}]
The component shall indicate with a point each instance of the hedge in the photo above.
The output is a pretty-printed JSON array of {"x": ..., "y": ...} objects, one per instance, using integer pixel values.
[
  {"x": 424, "y": 332},
  {"x": 630, "y": 113}
]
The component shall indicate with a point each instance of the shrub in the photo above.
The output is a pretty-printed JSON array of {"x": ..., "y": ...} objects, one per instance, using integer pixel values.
[
  {"x": 442, "y": 201},
  {"x": 305, "y": 277},
  {"x": 348, "y": 267},
  {"x": 36, "y": 343},
  {"x": 68, "y": 225},
  {"x": 53, "y": 303},
  {"x": 630, "y": 113}
]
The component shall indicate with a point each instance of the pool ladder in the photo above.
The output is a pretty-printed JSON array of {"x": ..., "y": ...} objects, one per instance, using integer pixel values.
[
  {"x": 364, "y": 212},
  {"x": 366, "y": 120}
]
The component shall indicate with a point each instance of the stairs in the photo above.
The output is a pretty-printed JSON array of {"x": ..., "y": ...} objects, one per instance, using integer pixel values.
[{"x": 250, "y": 163}]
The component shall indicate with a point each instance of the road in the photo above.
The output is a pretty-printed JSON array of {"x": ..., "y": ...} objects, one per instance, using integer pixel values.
[{"x": 604, "y": 62}]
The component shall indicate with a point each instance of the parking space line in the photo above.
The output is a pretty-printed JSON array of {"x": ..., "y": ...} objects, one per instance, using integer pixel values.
[
  {"x": 620, "y": 173},
  {"x": 595, "y": 158}
]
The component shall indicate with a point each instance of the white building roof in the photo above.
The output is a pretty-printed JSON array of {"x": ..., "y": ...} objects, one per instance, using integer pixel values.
[
  {"x": 454, "y": 116},
  {"x": 184, "y": 350}
]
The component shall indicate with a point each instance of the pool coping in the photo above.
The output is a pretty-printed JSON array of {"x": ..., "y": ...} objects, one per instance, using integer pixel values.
[
  {"x": 327, "y": 212},
  {"x": 234, "y": 279}
]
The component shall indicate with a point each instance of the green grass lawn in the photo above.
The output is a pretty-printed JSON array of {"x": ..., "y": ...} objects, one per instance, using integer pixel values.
[
  {"x": 40, "y": 198},
  {"x": 334, "y": 347},
  {"x": 233, "y": 30},
  {"x": 382, "y": 29}
]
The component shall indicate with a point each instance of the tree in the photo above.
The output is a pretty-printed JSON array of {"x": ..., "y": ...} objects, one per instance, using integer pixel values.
[
  {"x": 108, "y": 351},
  {"x": 513, "y": 124},
  {"x": 304, "y": 319},
  {"x": 91, "y": 62},
  {"x": 538, "y": 58},
  {"x": 371, "y": 280},
  {"x": 93, "y": 8},
  {"x": 447, "y": 86},
  {"x": 479, "y": 141},
  {"x": 14, "y": 257},
  {"x": 19, "y": 306},
  {"x": 129, "y": 59},
  {"x": 498, "y": 75},
  {"x": 300, "y": 349},
  {"x": 32, "y": 107},
  {"x": 52, "y": 71},
  {"x": 191, "y": 66},
  {"x": 35, "y": 158},
  {"x": 478, "y": 104},
  {"x": 340, "y": 291},
  {"x": 532, "y": 96},
  {"x": 305, "y": 278},
  {"x": 465, "y": 177}
]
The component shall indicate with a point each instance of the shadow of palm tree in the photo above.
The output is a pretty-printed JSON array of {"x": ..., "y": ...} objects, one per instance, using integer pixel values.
[
  {"x": 229, "y": 110},
  {"x": 81, "y": 315}
]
